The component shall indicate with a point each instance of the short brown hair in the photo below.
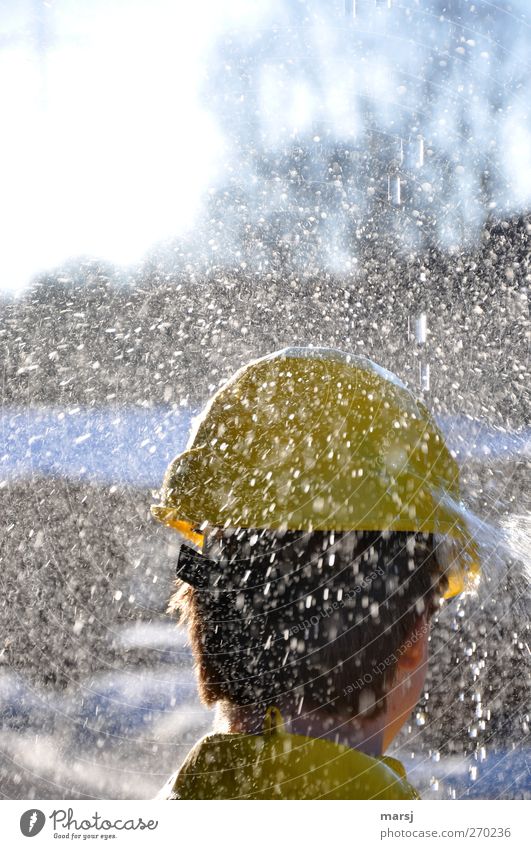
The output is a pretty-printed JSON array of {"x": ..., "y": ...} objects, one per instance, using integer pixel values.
[{"x": 318, "y": 617}]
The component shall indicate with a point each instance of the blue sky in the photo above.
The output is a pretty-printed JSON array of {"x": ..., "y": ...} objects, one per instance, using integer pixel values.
[{"x": 116, "y": 124}]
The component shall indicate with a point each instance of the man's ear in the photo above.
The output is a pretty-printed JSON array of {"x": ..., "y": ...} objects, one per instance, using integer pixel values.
[{"x": 414, "y": 648}]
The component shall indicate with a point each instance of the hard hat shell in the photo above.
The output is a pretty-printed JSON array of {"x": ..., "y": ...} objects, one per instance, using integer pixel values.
[{"x": 317, "y": 439}]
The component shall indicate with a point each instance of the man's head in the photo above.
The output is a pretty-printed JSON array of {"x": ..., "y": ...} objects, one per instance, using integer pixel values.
[
  {"x": 341, "y": 485},
  {"x": 321, "y": 621}
]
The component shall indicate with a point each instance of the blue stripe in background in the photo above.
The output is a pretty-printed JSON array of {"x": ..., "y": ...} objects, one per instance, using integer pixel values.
[{"x": 133, "y": 446}]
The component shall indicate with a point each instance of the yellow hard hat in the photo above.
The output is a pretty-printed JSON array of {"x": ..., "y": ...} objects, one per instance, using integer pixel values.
[{"x": 317, "y": 439}]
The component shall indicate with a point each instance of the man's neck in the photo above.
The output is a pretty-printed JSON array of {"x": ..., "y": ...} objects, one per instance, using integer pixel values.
[{"x": 366, "y": 735}]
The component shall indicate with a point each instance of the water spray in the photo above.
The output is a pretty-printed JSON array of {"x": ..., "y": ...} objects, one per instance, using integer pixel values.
[{"x": 421, "y": 330}]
